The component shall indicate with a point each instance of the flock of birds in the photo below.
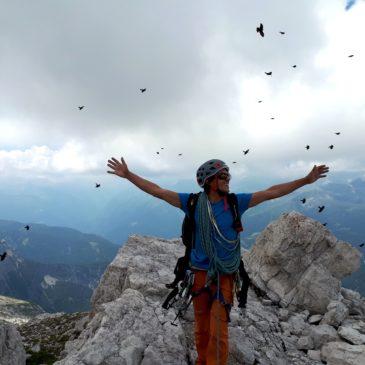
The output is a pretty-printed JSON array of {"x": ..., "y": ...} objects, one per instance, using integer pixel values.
[{"x": 260, "y": 31}]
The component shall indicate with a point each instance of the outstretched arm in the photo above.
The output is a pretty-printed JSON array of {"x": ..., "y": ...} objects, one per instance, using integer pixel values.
[
  {"x": 121, "y": 169},
  {"x": 277, "y": 191}
]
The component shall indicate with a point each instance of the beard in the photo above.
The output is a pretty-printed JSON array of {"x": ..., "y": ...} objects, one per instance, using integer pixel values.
[{"x": 221, "y": 193}]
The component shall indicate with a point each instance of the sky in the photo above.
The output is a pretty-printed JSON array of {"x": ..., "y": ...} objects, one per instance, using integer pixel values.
[{"x": 203, "y": 66}]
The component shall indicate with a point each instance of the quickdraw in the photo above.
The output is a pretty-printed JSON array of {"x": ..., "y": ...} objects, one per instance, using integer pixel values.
[{"x": 180, "y": 299}]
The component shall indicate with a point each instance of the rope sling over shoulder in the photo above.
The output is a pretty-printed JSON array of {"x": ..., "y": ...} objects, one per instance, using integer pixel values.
[{"x": 209, "y": 230}]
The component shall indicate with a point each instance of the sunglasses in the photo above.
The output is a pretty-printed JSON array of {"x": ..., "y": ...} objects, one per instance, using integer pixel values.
[{"x": 224, "y": 176}]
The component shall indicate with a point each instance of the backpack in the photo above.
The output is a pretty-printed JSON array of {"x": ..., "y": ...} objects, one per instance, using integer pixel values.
[{"x": 188, "y": 230}]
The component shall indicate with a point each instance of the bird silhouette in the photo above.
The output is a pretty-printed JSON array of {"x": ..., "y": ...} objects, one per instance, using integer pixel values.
[
  {"x": 260, "y": 30},
  {"x": 27, "y": 227},
  {"x": 272, "y": 118},
  {"x": 338, "y": 133},
  {"x": 324, "y": 224},
  {"x": 281, "y": 32},
  {"x": 3, "y": 256},
  {"x": 158, "y": 152},
  {"x": 260, "y": 101},
  {"x": 362, "y": 245},
  {"x": 81, "y": 107},
  {"x": 320, "y": 209},
  {"x": 143, "y": 90},
  {"x": 234, "y": 162},
  {"x": 294, "y": 66},
  {"x": 245, "y": 152},
  {"x": 268, "y": 73},
  {"x": 307, "y": 147},
  {"x": 303, "y": 200},
  {"x": 331, "y": 147},
  {"x": 180, "y": 154},
  {"x": 97, "y": 185},
  {"x": 162, "y": 148},
  {"x": 351, "y": 55}
]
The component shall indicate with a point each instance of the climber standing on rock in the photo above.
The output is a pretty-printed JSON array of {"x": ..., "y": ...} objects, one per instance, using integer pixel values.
[{"x": 216, "y": 253}]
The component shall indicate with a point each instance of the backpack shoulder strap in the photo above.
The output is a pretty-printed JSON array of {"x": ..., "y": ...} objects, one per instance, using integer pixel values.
[
  {"x": 191, "y": 204},
  {"x": 233, "y": 204}
]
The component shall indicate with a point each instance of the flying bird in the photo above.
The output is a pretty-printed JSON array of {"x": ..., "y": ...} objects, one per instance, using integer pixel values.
[
  {"x": 3, "y": 256},
  {"x": 158, "y": 152},
  {"x": 307, "y": 147},
  {"x": 81, "y": 107},
  {"x": 350, "y": 4},
  {"x": 331, "y": 147},
  {"x": 362, "y": 245},
  {"x": 351, "y": 55},
  {"x": 97, "y": 185},
  {"x": 234, "y": 162},
  {"x": 245, "y": 152},
  {"x": 320, "y": 209},
  {"x": 303, "y": 200},
  {"x": 260, "y": 30},
  {"x": 281, "y": 32},
  {"x": 268, "y": 73},
  {"x": 272, "y": 118},
  {"x": 143, "y": 90},
  {"x": 324, "y": 224},
  {"x": 180, "y": 154},
  {"x": 294, "y": 66},
  {"x": 338, "y": 133},
  {"x": 27, "y": 227}
]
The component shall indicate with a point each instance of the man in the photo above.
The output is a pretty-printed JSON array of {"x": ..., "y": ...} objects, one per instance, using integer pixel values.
[{"x": 216, "y": 253}]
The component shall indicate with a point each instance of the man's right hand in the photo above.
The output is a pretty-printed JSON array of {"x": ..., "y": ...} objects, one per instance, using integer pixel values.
[{"x": 120, "y": 169}]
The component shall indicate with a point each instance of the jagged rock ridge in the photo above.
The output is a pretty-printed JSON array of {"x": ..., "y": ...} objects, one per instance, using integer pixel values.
[{"x": 128, "y": 325}]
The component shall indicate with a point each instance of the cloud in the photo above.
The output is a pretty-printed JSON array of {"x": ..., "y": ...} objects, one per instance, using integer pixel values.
[
  {"x": 40, "y": 160},
  {"x": 203, "y": 66}
]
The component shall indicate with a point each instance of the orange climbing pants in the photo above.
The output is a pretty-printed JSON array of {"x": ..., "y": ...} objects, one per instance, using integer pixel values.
[{"x": 211, "y": 320}]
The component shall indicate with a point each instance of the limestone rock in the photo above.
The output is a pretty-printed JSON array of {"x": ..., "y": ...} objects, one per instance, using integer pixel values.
[
  {"x": 322, "y": 334},
  {"x": 351, "y": 335},
  {"x": 337, "y": 312},
  {"x": 11, "y": 347},
  {"x": 296, "y": 260},
  {"x": 316, "y": 318},
  {"x": 343, "y": 353},
  {"x": 129, "y": 326}
]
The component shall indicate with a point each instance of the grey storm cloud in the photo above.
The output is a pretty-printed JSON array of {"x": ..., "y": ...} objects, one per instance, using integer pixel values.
[{"x": 58, "y": 55}]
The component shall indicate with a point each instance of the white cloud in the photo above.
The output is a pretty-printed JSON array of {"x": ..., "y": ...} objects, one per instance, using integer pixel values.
[
  {"x": 203, "y": 68},
  {"x": 70, "y": 158}
]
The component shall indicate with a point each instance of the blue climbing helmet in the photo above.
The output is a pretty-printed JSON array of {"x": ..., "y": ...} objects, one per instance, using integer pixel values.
[{"x": 209, "y": 169}]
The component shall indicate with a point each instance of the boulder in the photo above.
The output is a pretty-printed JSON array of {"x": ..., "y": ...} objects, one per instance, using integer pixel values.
[
  {"x": 300, "y": 263},
  {"x": 11, "y": 347}
]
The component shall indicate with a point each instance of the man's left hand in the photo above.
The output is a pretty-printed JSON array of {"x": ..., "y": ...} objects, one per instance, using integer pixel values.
[{"x": 316, "y": 173}]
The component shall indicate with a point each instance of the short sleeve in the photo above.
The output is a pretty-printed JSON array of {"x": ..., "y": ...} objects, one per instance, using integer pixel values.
[
  {"x": 184, "y": 201},
  {"x": 243, "y": 201}
]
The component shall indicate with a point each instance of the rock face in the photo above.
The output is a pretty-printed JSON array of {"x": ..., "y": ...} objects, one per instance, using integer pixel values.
[
  {"x": 299, "y": 263},
  {"x": 129, "y": 326},
  {"x": 17, "y": 311},
  {"x": 11, "y": 348}
]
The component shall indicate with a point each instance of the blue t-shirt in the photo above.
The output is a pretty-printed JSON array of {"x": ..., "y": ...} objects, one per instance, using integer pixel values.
[{"x": 224, "y": 219}]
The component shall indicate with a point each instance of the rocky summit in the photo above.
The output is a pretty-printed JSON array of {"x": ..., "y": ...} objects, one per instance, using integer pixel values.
[{"x": 305, "y": 316}]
